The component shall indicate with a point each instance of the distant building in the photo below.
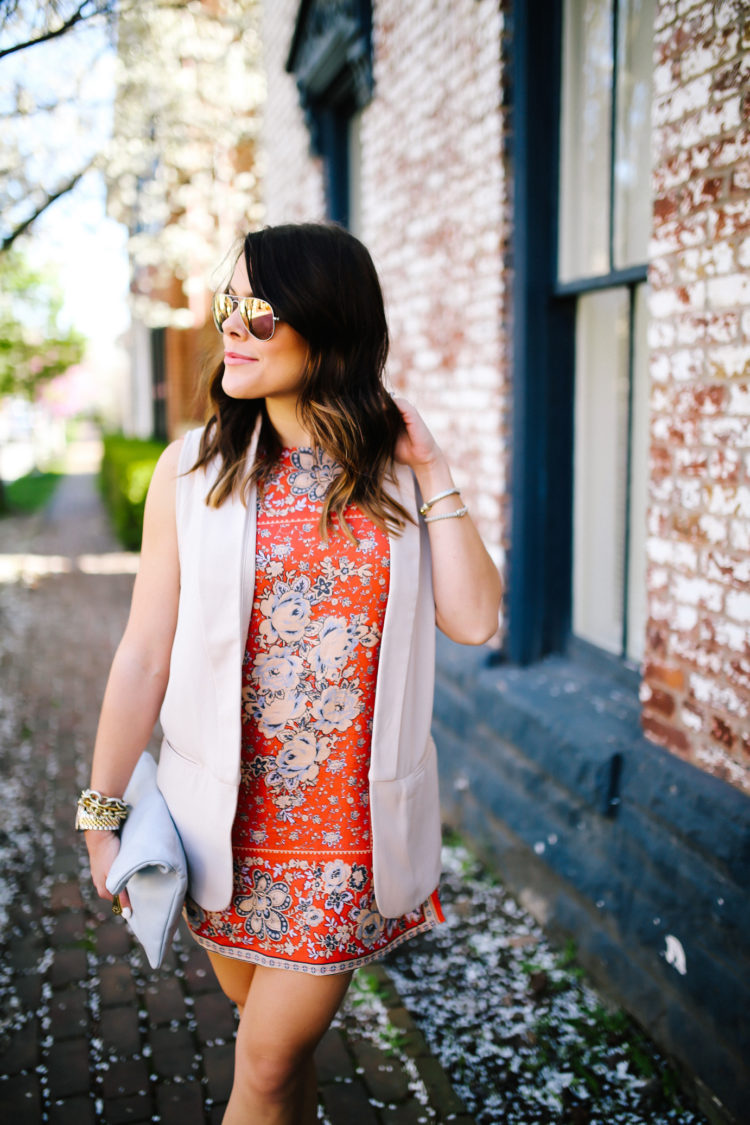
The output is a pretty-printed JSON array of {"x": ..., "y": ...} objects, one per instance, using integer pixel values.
[
  {"x": 183, "y": 179},
  {"x": 557, "y": 198}
]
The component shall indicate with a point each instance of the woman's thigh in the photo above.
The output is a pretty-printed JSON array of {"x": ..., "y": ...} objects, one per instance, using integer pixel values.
[
  {"x": 287, "y": 1013},
  {"x": 234, "y": 977}
]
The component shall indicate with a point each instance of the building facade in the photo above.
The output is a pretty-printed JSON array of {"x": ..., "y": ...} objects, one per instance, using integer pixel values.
[{"x": 557, "y": 198}]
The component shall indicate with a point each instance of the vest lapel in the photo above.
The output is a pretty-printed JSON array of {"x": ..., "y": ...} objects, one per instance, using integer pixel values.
[
  {"x": 227, "y": 576},
  {"x": 398, "y": 630}
]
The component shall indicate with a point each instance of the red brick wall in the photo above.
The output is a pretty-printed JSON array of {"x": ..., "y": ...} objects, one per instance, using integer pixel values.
[
  {"x": 696, "y": 688},
  {"x": 434, "y": 215},
  {"x": 293, "y": 179}
]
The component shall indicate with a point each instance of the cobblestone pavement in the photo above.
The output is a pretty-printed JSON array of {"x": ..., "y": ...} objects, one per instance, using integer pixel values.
[{"x": 88, "y": 1033}]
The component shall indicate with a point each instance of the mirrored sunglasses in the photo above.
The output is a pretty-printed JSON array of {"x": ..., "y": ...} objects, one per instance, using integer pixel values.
[{"x": 257, "y": 315}]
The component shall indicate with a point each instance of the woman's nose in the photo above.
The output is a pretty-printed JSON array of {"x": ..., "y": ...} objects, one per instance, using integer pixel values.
[{"x": 234, "y": 323}]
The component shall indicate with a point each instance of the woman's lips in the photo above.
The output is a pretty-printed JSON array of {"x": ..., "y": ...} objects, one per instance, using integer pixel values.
[{"x": 235, "y": 357}]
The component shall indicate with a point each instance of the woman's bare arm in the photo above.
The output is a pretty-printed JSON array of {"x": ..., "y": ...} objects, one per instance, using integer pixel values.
[
  {"x": 138, "y": 677},
  {"x": 466, "y": 583}
]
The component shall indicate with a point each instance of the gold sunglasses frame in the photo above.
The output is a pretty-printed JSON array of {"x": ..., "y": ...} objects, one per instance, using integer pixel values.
[{"x": 249, "y": 307}]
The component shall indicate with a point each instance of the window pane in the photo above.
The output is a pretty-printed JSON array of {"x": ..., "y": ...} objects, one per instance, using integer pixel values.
[
  {"x": 600, "y": 466},
  {"x": 633, "y": 132},
  {"x": 638, "y": 481},
  {"x": 585, "y": 139}
]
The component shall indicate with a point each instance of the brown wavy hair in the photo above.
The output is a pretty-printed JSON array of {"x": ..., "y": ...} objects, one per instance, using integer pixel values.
[{"x": 321, "y": 280}]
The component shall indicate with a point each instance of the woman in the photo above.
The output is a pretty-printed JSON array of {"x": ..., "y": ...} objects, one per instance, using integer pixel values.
[{"x": 283, "y": 621}]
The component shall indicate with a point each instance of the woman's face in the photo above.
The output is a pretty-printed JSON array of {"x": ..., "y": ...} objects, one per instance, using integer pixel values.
[{"x": 268, "y": 369}]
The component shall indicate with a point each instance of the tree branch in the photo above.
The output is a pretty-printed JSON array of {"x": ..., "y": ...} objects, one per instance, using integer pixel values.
[
  {"x": 49, "y": 199},
  {"x": 79, "y": 16}
]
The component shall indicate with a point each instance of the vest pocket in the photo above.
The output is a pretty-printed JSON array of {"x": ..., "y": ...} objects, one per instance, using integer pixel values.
[{"x": 406, "y": 839}]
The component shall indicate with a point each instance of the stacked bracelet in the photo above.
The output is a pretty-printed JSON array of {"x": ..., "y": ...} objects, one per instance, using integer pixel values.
[
  {"x": 101, "y": 814},
  {"x": 459, "y": 512},
  {"x": 440, "y": 496}
]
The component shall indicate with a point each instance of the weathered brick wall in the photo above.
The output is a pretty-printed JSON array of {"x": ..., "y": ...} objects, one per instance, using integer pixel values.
[
  {"x": 293, "y": 178},
  {"x": 434, "y": 215},
  {"x": 696, "y": 690}
]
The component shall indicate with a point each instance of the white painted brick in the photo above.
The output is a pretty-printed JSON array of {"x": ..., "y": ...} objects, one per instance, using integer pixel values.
[
  {"x": 714, "y": 529},
  {"x": 684, "y": 100},
  {"x": 697, "y": 591},
  {"x": 731, "y": 362},
  {"x": 686, "y": 366},
  {"x": 690, "y": 493},
  {"x": 690, "y": 719},
  {"x": 738, "y": 605},
  {"x": 705, "y": 56},
  {"x": 706, "y": 690},
  {"x": 658, "y": 550},
  {"x": 728, "y": 14},
  {"x": 661, "y": 334},
  {"x": 731, "y": 635},
  {"x": 739, "y": 535},
  {"x": 728, "y": 500},
  {"x": 684, "y": 618},
  {"x": 726, "y": 291},
  {"x": 713, "y": 758}
]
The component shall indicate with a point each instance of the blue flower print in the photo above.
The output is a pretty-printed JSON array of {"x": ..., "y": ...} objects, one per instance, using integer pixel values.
[
  {"x": 338, "y": 899},
  {"x": 358, "y": 876},
  {"x": 287, "y": 610},
  {"x": 370, "y": 926},
  {"x": 337, "y": 639},
  {"x": 264, "y": 907},
  {"x": 336, "y": 708},
  {"x": 272, "y": 712},
  {"x": 277, "y": 670},
  {"x": 314, "y": 471},
  {"x": 298, "y": 763},
  {"x": 336, "y": 874}
]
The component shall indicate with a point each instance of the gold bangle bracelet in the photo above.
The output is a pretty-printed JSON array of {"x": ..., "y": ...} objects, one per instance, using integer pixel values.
[
  {"x": 440, "y": 496},
  {"x": 457, "y": 515}
]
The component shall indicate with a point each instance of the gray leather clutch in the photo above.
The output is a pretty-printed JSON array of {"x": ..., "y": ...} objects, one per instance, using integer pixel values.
[{"x": 151, "y": 864}]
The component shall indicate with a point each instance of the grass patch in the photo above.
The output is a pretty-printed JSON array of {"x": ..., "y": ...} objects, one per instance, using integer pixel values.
[{"x": 30, "y": 493}]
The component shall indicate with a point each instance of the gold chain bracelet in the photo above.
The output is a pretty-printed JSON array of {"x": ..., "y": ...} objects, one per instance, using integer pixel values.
[{"x": 99, "y": 813}]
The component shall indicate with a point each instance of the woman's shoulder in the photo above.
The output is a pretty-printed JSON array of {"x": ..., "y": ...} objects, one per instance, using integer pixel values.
[{"x": 180, "y": 455}]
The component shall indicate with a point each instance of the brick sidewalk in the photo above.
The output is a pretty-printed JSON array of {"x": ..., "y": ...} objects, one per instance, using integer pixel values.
[{"x": 90, "y": 1034}]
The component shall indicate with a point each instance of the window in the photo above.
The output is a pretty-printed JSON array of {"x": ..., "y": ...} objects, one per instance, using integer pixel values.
[
  {"x": 331, "y": 58},
  {"x": 604, "y": 225},
  {"x": 581, "y": 80}
]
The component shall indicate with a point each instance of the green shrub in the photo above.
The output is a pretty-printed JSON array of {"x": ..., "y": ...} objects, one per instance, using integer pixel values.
[
  {"x": 32, "y": 492},
  {"x": 127, "y": 467}
]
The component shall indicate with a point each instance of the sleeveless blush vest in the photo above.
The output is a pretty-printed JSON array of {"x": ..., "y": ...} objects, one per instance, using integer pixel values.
[{"x": 199, "y": 764}]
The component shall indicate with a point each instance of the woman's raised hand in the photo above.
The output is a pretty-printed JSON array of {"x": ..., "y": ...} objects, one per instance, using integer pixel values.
[{"x": 416, "y": 446}]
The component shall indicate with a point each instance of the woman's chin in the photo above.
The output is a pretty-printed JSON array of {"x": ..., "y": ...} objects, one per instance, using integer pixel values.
[{"x": 237, "y": 386}]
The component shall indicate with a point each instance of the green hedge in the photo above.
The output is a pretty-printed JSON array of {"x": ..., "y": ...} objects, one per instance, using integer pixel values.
[{"x": 125, "y": 474}]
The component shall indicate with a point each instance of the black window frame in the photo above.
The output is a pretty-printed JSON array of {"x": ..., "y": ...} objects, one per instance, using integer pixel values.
[{"x": 544, "y": 340}]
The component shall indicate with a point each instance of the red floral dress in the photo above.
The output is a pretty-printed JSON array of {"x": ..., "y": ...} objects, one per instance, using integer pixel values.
[{"x": 303, "y": 890}]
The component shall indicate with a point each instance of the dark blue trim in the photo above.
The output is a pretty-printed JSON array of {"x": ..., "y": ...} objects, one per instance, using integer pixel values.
[
  {"x": 539, "y": 584},
  {"x": 632, "y": 275}
]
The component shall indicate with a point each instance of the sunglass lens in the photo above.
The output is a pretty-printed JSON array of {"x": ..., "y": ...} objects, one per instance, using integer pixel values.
[
  {"x": 256, "y": 314},
  {"x": 261, "y": 320},
  {"x": 221, "y": 308}
]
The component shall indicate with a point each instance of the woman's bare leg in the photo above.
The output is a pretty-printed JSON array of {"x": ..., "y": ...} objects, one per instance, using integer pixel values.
[
  {"x": 284, "y": 1015},
  {"x": 234, "y": 977}
]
